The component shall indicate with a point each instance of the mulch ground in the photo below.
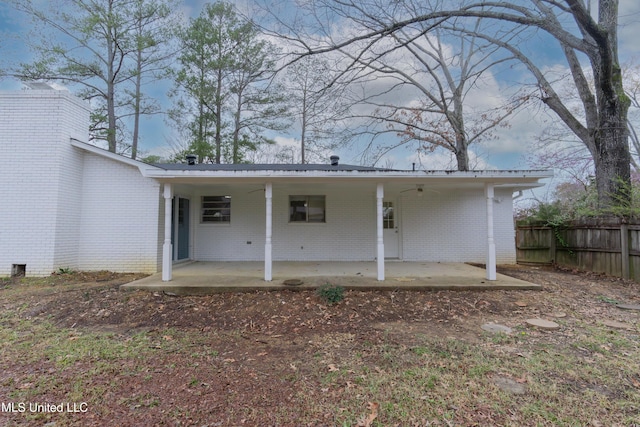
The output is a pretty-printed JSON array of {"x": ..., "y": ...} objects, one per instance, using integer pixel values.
[{"x": 257, "y": 337}]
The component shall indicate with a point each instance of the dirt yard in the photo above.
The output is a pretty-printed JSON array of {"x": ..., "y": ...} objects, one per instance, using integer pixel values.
[{"x": 75, "y": 343}]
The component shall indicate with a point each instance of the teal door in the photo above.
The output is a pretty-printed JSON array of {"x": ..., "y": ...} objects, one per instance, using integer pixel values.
[{"x": 183, "y": 228}]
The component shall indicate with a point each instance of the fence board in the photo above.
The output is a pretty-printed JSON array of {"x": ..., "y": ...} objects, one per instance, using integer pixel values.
[{"x": 609, "y": 247}]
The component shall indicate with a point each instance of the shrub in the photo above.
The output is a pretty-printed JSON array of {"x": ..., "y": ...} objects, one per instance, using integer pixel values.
[{"x": 330, "y": 294}]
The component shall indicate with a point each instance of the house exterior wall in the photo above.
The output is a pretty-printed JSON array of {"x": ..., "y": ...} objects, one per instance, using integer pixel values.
[
  {"x": 347, "y": 235},
  {"x": 39, "y": 179},
  {"x": 449, "y": 226},
  {"x": 120, "y": 216},
  {"x": 64, "y": 207},
  {"x": 230, "y": 242}
]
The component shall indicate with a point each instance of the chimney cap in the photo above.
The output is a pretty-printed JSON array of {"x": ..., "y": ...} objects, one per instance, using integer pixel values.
[
  {"x": 335, "y": 160},
  {"x": 192, "y": 159}
]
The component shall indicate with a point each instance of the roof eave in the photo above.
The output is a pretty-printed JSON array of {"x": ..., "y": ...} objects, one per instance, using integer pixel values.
[
  {"x": 144, "y": 168},
  {"x": 273, "y": 174}
]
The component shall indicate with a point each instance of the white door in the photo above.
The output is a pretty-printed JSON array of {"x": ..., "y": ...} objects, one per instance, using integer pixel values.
[{"x": 390, "y": 232}]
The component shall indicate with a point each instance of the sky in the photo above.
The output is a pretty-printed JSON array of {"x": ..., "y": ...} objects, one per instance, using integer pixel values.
[{"x": 508, "y": 150}]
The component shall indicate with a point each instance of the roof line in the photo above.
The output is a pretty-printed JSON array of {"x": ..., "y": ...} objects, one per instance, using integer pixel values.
[{"x": 143, "y": 167}]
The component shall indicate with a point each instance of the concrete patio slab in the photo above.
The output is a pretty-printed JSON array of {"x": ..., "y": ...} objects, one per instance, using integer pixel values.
[{"x": 198, "y": 278}]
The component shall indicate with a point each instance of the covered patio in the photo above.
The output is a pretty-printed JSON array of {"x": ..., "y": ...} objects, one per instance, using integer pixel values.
[{"x": 199, "y": 278}]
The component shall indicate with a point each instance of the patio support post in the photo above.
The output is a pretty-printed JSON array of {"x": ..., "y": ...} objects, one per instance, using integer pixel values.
[
  {"x": 167, "y": 247},
  {"x": 268, "y": 195},
  {"x": 491, "y": 244},
  {"x": 176, "y": 208},
  {"x": 380, "y": 252}
]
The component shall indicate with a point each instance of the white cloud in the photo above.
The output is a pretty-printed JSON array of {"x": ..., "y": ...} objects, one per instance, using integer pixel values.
[
  {"x": 629, "y": 27},
  {"x": 285, "y": 141}
]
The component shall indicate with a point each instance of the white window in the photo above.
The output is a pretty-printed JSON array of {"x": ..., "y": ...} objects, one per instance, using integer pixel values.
[
  {"x": 216, "y": 209},
  {"x": 388, "y": 216},
  {"x": 306, "y": 208}
]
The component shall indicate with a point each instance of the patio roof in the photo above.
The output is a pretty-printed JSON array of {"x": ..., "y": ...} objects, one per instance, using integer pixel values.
[
  {"x": 266, "y": 167},
  {"x": 183, "y": 173}
]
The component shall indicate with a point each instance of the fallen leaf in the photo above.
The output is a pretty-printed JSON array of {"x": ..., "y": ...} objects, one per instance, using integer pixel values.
[
  {"x": 368, "y": 420},
  {"x": 522, "y": 380},
  {"x": 332, "y": 368}
]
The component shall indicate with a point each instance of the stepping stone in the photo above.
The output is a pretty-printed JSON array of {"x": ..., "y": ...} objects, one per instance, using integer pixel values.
[
  {"x": 617, "y": 325},
  {"x": 292, "y": 282},
  {"x": 509, "y": 385},
  {"x": 558, "y": 315},
  {"x": 495, "y": 328},
  {"x": 628, "y": 306},
  {"x": 542, "y": 324},
  {"x": 521, "y": 304}
]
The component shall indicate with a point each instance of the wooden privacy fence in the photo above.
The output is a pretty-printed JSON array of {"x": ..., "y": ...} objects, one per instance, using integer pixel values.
[{"x": 604, "y": 246}]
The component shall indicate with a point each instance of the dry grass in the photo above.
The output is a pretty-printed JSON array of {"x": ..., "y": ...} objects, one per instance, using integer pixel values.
[{"x": 429, "y": 371}]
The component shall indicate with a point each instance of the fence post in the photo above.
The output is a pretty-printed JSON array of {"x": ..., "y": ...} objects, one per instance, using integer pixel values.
[
  {"x": 552, "y": 245},
  {"x": 624, "y": 246}
]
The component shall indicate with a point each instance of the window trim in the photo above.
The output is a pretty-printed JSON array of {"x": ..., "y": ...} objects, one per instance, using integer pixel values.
[
  {"x": 307, "y": 198},
  {"x": 224, "y": 202}
]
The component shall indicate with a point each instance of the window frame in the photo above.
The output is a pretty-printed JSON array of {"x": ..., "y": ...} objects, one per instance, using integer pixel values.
[
  {"x": 307, "y": 199},
  {"x": 218, "y": 206}
]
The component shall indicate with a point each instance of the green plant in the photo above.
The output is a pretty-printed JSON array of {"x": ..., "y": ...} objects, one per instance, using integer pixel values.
[
  {"x": 330, "y": 294},
  {"x": 64, "y": 270}
]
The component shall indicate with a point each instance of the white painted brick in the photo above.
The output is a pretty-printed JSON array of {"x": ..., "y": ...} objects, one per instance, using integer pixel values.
[
  {"x": 38, "y": 178},
  {"x": 120, "y": 208},
  {"x": 447, "y": 227},
  {"x": 64, "y": 207},
  {"x": 451, "y": 226}
]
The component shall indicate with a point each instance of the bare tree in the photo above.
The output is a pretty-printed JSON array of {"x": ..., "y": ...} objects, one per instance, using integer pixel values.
[
  {"x": 568, "y": 23},
  {"x": 319, "y": 103},
  {"x": 632, "y": 83},
  {"x": 257, "y": 102},
  {"x": 92, "y": 44},
  {"x": 436, "y": 78},
  {"x": 152, "y": 36}
]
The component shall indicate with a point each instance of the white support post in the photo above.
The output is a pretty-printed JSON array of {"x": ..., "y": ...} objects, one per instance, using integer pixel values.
[
  {"x": 268, "y": 195},
  {"x": 176, "y": 209},
  {"x": 491, "y": 244},
  {"x": 380, "y": 239},
  {"x": 167, "y": 247}
]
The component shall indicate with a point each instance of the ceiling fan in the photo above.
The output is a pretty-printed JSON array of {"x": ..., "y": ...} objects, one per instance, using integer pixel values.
[{"x": 419, "y": 189}]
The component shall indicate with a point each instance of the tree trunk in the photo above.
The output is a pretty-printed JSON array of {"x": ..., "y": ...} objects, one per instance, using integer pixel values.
[
  {"x": 218, "y": 114},
  {"x": 462, "y": 154},
  {"x": 136, "y": 112},
  {"x": 236, "y": 131},
  {"x": 303, "y": 132},
  {"x": 111, "y": 76},
  {"x": 611, "y": 138},
  {"x": 612, "y": 164}
]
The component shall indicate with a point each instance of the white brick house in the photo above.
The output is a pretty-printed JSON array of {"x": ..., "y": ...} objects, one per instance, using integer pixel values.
[{"x": 68, "y": 204}]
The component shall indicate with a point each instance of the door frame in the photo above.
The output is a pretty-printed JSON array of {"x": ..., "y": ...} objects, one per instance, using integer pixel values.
[
  {"x": 397, "y": 226},
  {"x": 175, "y": 230}
]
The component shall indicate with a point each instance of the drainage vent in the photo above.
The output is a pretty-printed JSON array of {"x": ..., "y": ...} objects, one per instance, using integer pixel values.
[{"x": 18, "y": 270}]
